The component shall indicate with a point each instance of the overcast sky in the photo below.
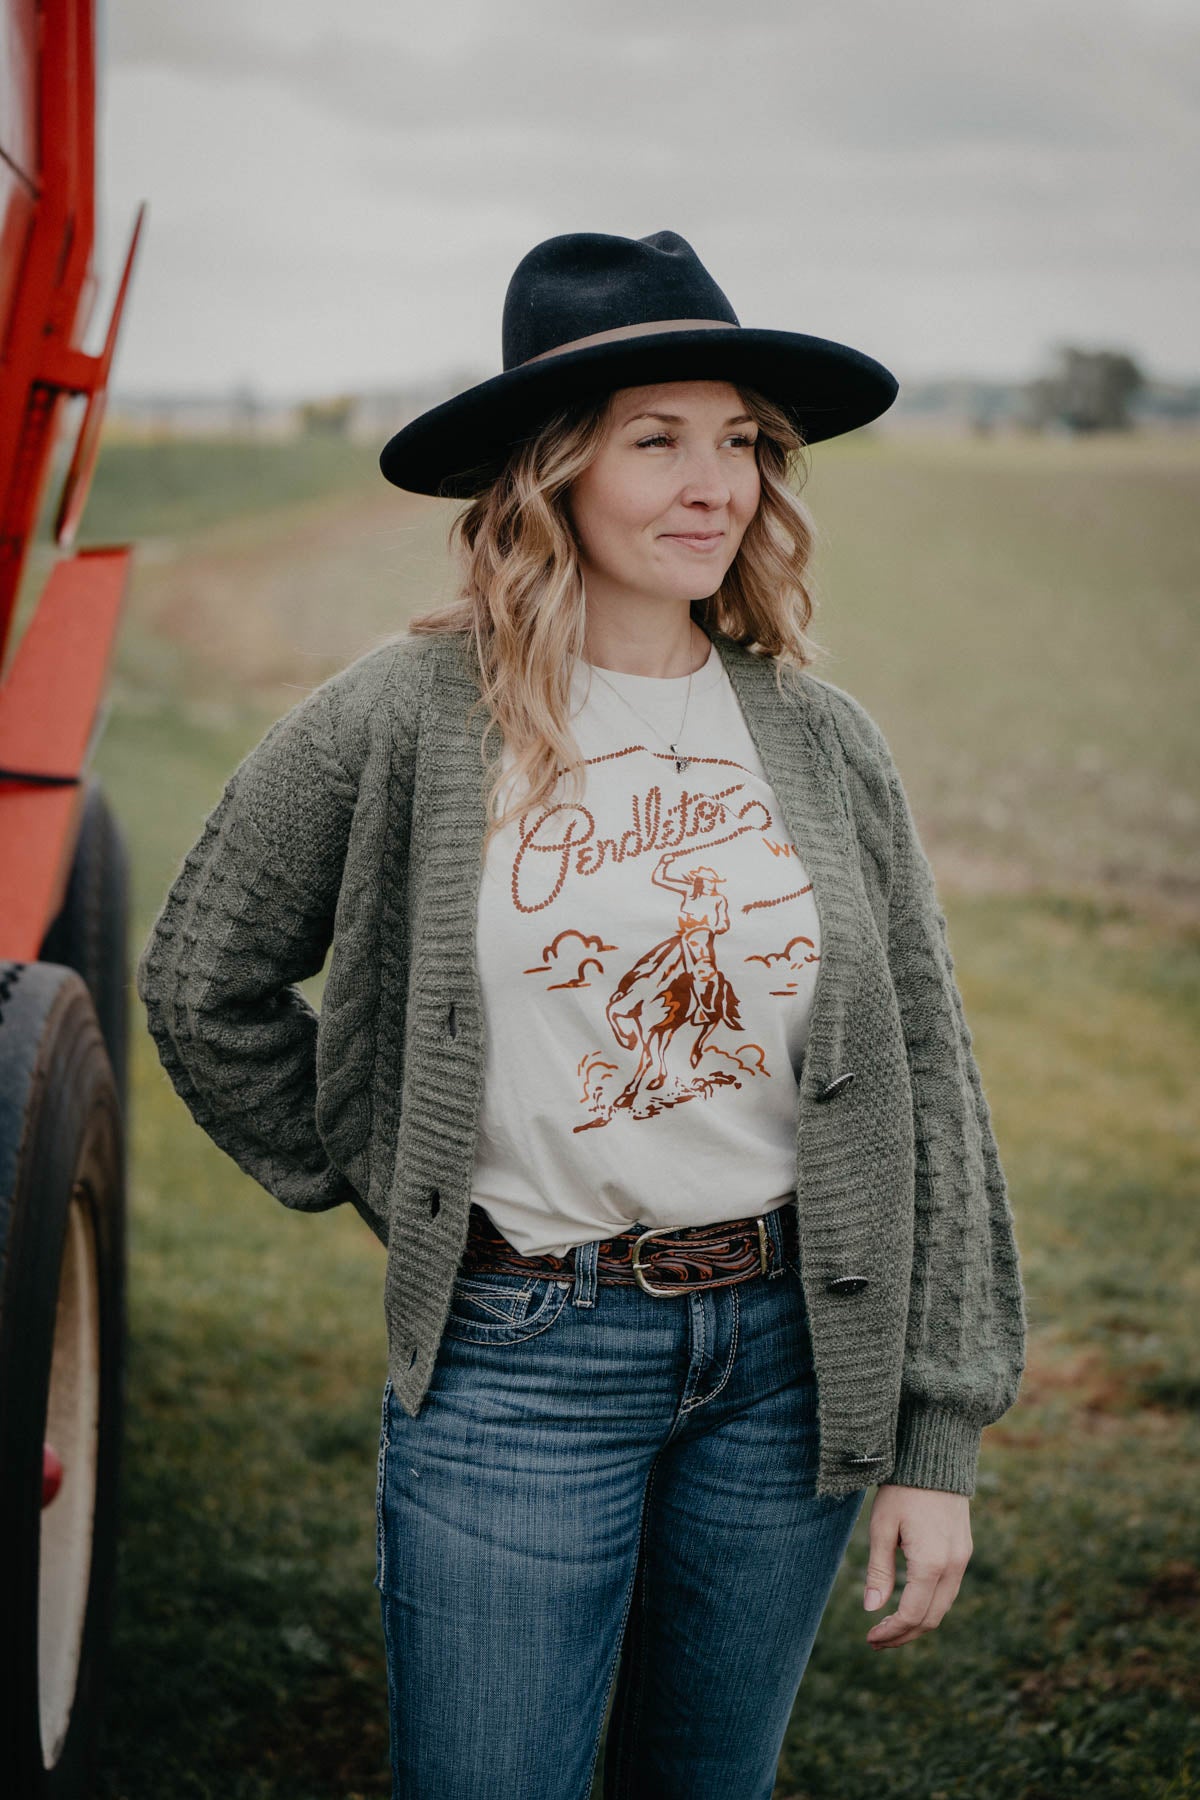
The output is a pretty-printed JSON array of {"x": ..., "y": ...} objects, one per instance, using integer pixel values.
[{"x": 338, "y": 194}]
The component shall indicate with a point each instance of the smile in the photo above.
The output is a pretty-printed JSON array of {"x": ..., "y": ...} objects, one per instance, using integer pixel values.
[{"x": 695, "y": 541}]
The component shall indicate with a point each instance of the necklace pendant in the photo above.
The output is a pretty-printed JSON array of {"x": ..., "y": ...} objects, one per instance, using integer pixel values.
[{"x": 681, "y": 762}]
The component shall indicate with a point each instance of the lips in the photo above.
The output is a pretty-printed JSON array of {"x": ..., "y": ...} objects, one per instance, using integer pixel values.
[{"x": 699, "y": 540}]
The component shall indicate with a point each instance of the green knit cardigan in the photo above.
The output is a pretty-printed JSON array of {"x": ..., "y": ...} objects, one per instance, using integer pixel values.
[{"x": 353, "y": 830}]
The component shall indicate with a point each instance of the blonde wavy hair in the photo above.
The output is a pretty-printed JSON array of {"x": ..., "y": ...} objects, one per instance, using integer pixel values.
[{"x": 521, "y": 595}]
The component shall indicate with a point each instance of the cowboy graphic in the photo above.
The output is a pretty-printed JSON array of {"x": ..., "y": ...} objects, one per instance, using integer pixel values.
[{"x": 676, "y": 982}]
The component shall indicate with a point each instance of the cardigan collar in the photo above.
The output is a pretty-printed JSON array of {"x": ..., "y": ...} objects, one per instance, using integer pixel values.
[{"x": 800, "y": 751}]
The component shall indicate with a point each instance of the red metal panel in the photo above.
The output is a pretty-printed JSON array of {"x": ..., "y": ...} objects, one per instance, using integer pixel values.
[
  {"x": 49, "y": 703},
  {"x": 47, "y": 284},
  {"x": 18, "y": 85},
  {"x": 87, "y": 445},
  {"x": 53, "y": 277},
  {"x": 16, "y": 222},
  {"x": 51, "y": 690}
]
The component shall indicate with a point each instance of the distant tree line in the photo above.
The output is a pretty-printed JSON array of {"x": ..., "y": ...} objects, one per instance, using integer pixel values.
[
  {"x": 1083, "y": 390},
  {"x": 1089, "y": 390}
]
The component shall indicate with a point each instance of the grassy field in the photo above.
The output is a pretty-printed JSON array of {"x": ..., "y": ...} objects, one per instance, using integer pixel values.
[{"x": 1021, "y": 619}]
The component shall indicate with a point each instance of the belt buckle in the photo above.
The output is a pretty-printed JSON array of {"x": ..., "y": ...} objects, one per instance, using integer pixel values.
[{"x": 668, "y": 1231}]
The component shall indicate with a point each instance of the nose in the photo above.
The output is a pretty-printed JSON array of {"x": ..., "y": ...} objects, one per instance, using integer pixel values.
[{"x": 707, "y": 482}]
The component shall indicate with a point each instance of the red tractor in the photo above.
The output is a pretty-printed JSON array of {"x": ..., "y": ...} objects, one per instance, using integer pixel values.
[{"x": 63, "y": 922}]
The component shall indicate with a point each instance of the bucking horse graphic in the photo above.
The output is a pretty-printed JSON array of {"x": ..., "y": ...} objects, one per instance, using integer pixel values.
[{"x": 676, "y": 982}]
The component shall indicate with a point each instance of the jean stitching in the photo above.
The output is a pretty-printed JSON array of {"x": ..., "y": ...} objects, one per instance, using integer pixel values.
[
  {"x": 510, "y": 1325},
  {"x": 583, "y": 1281},
  {"x": 495, "y": 1297},
  {"x": 393, "y": 1700},
  {"x": 703, "y": 1399},
  {"x": 487, "y": 1284},
  {"x": 380, "y": 1479},
  {"x": 501, "y": 1302},
  {"x": 733, "y": 1344}
]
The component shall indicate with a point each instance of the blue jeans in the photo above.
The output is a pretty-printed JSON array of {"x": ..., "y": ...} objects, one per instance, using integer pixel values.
[{"x": 597, "y": 1475}]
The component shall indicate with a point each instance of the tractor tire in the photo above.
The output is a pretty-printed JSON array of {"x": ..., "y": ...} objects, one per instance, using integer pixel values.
[
  {"x": 62, "y": 1339},
  {"x": 90, "y": 932}
]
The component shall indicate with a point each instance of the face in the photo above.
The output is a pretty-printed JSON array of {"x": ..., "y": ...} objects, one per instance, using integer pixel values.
[{"x": 664, "y": 506}]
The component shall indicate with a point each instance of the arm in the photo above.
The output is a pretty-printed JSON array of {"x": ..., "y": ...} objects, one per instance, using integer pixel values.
[
  {"x": 661, "y": 878},
  {"x": 965, "y": 1344},
  {"x": 249, "y": 914}
]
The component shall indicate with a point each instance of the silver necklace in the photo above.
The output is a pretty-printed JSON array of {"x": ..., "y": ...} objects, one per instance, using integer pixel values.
[{"x": 681, "y": 761}]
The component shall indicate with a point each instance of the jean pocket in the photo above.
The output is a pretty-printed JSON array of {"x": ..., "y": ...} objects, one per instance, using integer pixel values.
[{"x": 503, "y": 1308}]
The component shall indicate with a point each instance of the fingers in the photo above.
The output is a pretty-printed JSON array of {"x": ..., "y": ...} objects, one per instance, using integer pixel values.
[
  {"x": 878, "y": 1585},
  {"x": 926, "y": 1600},
  {"x": 881, "y": 1555},
  {"x": 933, "y": 1529}
]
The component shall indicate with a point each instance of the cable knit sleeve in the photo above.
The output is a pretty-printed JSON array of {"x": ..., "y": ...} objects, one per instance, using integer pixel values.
[
  {"x": 965, "y": 1343},
  {"x": 249, "y": 914},
  {"x": 965, "y": 1337}
]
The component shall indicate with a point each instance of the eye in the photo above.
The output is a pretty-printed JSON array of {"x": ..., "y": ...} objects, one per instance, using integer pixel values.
[{"x": 662, "y": 437}]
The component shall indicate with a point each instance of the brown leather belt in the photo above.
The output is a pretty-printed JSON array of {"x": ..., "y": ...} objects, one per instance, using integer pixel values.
[{"x": 664, "y": 1260}]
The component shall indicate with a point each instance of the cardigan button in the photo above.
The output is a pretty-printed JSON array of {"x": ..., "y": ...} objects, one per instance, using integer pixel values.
[
  {"x": 835, "y": 1086},
  {"x": 847, "y": 1284},
  {"x": 435, "y": 1201}
]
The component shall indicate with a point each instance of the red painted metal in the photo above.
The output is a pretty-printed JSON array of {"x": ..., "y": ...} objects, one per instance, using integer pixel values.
[
  {"x": 87, "y": 445},
  {"x": 17, "y": 201},
  {"x": 52, "y": 687},
  {"x": 52, "y": 684},
  {"x": 50, "y": 700}
]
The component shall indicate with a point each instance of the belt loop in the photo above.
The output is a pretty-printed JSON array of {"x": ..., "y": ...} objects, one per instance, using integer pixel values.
[
  {"x": 583, "y": 1288},
  {"x": 774, "y": 1224}
]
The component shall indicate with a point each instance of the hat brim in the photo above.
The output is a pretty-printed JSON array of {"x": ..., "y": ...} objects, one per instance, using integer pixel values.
[{"x": 455, "y": 449}]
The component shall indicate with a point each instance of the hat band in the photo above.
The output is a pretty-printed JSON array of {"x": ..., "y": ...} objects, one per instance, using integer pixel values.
[{"x": 648, "y": 329}]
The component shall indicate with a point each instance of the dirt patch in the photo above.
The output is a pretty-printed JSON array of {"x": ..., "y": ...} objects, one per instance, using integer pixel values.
[
  {"x": 1175, "y": 1589},
  {"x": 258, "y": 607},
  {"x": 1103, "y": 1401},
  {"x": 1141, "y": 1673}
]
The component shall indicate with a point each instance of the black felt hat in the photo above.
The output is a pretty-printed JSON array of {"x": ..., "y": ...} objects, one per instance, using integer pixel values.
[{"x": 587, "y": 313}]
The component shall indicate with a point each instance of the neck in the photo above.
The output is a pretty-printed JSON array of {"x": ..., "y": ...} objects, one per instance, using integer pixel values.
[{"x": 641, "y": 637}]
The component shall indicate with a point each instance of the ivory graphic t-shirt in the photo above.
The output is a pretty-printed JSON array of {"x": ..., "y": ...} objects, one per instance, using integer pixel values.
[{"x": 647, "y": 958}]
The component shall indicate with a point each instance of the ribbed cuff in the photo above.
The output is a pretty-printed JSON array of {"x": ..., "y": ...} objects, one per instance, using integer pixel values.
[{"x": 935, "y": 1449}]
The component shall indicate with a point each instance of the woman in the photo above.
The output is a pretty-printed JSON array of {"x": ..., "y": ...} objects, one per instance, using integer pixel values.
[{"x": 645, "y": 1060}]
